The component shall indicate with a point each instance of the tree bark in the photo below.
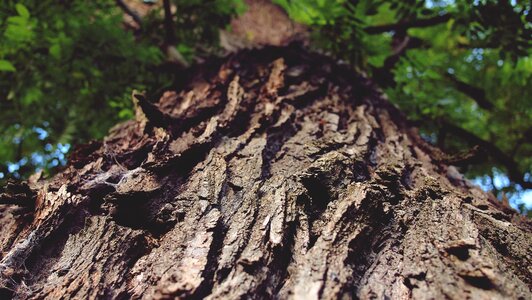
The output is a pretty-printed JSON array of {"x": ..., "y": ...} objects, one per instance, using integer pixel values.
[{"x": 275, "y": 173}]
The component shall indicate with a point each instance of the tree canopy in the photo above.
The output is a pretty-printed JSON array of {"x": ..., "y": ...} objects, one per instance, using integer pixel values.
[{"x": 460, "y": 70}]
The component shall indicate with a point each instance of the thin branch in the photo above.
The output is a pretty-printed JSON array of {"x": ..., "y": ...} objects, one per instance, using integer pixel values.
[
  {"x": 472, "y": 92},
  {"x": 511, "y": 166},
  {"x": 170, "y": 39},
  {"x": 384, "y": 75},
  {"x": 526, "y": 138},
  {"x": 130, "y": 12},
  {"x": 168, "y": 24},
  {"x": 403, "y": 25}
]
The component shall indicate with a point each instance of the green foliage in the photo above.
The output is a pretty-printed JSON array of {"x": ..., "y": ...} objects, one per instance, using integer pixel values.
[
  {"x": 67, "y": 67},
  {"x": 337, "y": 23},
  {"x": 196, "y": 26},
  {"x": 198, "y": 22}
]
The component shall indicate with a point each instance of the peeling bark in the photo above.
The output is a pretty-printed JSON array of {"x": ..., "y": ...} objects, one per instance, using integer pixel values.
[{"x": 275, "y": 173}]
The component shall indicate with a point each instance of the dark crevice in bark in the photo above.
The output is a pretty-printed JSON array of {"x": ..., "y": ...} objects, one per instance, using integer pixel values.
[
  {"x": 198, "y": 116},
  {"x": 132, "y": 212},
  {"x": 133, "y": 159},
  {"x": 274, "y": 142},
  {"x": 371, "y": 153},
  {"x": 277, "y": 266},
  {"x": 183, "y": 163},
  {"x": 306, "y": 99},
  {"x": 83, "y": 154},
  {"x": 319, "y": 196},
  {"x": 6, "y": 293},
  {"x": 246, "y": 239},
  {"x": 314, "y": 202},
  {"x": 480, "y": 282},
  {"x": 394, "y": 191},
  {"x": 284, "y": 257},
  {"x": 411, "y": 284},
  {"x": 213, "y": 255},
  {"x": 328, "y": 148},
  {"x": 242, "y": 119},
  {"x": 462, "y": 253},
  {"x": 360, "y": 171},
  {"x": 377, "y": 230}
]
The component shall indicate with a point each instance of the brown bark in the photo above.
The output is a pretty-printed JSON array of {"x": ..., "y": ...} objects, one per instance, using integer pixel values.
[{"x": 275, "y": 174}]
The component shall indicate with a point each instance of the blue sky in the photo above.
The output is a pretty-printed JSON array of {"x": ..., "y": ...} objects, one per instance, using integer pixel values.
[{"x": 500, "y": 180}]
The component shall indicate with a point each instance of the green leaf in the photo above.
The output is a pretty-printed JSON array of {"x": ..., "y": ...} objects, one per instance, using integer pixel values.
[
  {"x": 17, "y": 20},
  {"x": 432, "y": 74},
  {"x": 22, "y": 11},
  {"x": 32, "y": 95},
  {"x": 55, "y": 51},
  {"x": 18, "y": 29},
  {"x": 6, "y": 66}
]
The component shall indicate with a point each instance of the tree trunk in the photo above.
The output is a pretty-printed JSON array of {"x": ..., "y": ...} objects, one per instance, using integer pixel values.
[{"x": 275, "y": 173}]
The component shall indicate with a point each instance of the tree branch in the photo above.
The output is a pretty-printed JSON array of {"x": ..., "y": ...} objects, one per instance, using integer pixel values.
[
  {"x": 384, "y": 75},
  {"x": 170, "y": 39},
  {"x": 403, "y": 25},
  {"x": 472, "y": 92},
  {"x": 168, "y": 24},
  {"x": 511, "y": 166},
  {"x": 130, "y": 12}
]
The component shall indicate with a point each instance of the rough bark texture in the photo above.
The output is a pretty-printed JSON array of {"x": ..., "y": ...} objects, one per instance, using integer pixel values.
[{"x": 275, "y": 173}]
